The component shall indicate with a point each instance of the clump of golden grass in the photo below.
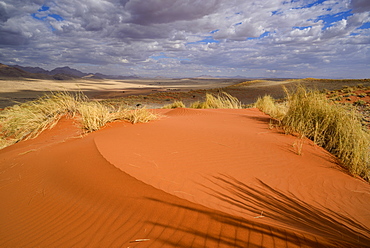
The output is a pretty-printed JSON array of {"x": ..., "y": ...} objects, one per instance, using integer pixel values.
[
  {"x": 223, "y": 100},
  {"x": 331, "y": 126},
  {"x": 139, "y": 115},
  {"x": 28, "y": 120},
  {"x": 268, "y": 105},
  {"x": 95, "y": 115},
  {"x": 334, "y": 127},
  {"x": 175, "y": 104}
]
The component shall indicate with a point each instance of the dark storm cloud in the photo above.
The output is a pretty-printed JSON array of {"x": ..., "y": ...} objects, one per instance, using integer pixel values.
[
  {"x": 4, "y": 16},
  {"x": 12, "y": 38},
  {"x": 360, "y": 5},
  {"x": 166, "y": 11}
]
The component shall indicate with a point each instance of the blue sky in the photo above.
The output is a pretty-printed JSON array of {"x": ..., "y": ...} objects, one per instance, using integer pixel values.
[{"x": 272, "y": 38}]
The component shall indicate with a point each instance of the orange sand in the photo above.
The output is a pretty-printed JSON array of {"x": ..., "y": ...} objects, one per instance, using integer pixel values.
[{"x": 193, "y": 178}]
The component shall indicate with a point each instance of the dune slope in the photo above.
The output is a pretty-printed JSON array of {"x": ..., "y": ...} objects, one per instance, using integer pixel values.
[{"x": 194, "y": 178}]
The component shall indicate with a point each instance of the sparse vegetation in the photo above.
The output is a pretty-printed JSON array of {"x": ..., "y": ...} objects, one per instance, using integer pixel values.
[
  {"x": 95, "y": 115},
  {"x": 139, "y": 115},
  {"x": 359, "y": 103},
  {"x": 362, "y": 95},
  {"x": 222, "y": 100},
  {"x": 268, "y": 105},
  {"x": 336, "y": 128},
  {"x": 28, "y": 120},
  {"x": 347, "y": 89},
  {"x": 175, "y": 104}
]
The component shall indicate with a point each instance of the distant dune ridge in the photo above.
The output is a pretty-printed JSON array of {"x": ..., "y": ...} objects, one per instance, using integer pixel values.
[{"x": 193, "y": 178}]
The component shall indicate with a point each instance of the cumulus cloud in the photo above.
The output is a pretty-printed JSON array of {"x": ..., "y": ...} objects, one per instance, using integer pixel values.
[{"x": 185, "y": 37}]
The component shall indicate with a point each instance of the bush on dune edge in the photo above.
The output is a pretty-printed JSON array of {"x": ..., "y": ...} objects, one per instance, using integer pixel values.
[
  {"x": 28, "y": 120},
  {"x": 333, "y": 127},
  {"x": 220, "y": 101}
]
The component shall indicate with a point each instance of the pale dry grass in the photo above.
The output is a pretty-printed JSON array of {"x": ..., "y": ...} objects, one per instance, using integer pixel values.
[
  {"x": 268, "y": 105},
  {"x": 220, "y": 101},
  {"x": 28, "y": 120},
  {"x": 95, "y": 115},
  {"x": 139, "y": 115},
  {"x": 175, "y": 104},
  {"x": 336, "y": 128}
]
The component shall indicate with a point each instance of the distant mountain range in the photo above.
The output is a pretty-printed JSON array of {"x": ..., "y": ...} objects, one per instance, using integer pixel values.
[
  {"x": 67, "y": 73},
  {"x": 60, "y": 73}
]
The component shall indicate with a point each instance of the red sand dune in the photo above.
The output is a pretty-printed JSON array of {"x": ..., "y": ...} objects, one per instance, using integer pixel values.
[{"x": 193, "y": 178}]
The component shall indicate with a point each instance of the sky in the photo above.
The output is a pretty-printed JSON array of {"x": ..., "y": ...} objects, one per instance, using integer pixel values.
[{"x": 188, "y": 38}]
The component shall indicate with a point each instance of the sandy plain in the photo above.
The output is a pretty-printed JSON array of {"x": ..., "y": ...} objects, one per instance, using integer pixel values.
[{"x": 14, "y": 91}]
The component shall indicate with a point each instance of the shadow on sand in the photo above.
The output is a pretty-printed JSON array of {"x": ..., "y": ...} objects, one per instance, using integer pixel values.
[
  {"x": 313, "y": 227},
  {"x": 287, "y": 209}
]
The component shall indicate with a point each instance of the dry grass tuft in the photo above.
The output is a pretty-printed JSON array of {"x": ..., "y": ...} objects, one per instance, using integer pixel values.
[
  {"x": 220, "y": 101},
  {"x": 175, "y": 104},
  {"x": 268, "y": 105},
  {"x": 331, "y": 126},
  {"x": 139, "y": 115},
  {"x": 335, "y": 127},
  {"x": 95, "y": 115},
  {"x": 28, "y": 120}
]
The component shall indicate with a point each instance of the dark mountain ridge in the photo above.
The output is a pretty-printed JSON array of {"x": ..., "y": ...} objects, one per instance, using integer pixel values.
[{"x": 64, "y": 73}]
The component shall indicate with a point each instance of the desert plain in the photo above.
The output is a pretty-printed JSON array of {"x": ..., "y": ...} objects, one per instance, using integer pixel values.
[{"x": 191, "y": 178}]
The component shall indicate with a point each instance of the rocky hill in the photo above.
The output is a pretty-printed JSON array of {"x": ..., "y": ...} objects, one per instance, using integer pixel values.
[
  {"x": 7, "y": 71},
  {"x": 59, "y": 73}
]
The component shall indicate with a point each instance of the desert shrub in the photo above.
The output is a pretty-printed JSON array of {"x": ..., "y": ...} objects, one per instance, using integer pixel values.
[
  {"x": 331, "y": 126},
  {"x": 175, "y": 104},
  {"x": 347, "y": 89},
  {"x": 360, "y": 103},
  {"x": 362, "y": 95},
  {"x": 220, "y": 101},
  {"x": 268, "y": 105}
]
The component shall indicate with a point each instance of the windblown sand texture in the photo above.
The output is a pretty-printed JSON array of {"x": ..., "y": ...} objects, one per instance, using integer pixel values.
[{"x": 193, "y": 178}]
